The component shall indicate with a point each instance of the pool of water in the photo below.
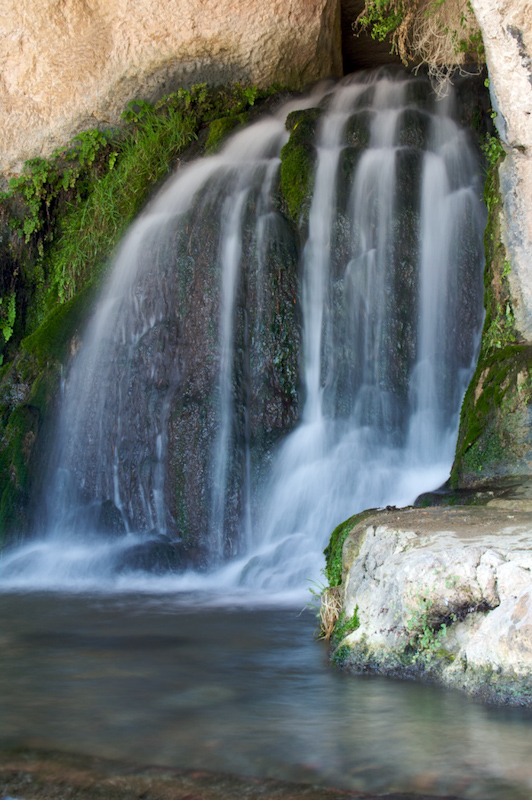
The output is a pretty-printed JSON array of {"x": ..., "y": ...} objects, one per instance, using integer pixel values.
[{"x": 187, "y": 682}]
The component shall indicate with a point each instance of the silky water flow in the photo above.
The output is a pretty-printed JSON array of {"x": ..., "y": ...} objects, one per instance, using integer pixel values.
[{"x": 237, "y": 394}]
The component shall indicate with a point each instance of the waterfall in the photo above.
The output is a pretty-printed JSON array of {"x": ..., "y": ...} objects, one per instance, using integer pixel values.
[{"x": 241, "y": 387}]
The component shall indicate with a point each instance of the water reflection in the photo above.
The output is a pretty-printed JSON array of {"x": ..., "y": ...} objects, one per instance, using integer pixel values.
[{"x": 160, "y": 681}]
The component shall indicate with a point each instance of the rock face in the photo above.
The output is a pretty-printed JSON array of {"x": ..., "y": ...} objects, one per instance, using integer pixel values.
[
  {"x": 507, "y": 35},
  {"x": 495, "y": 438},
  {"x": 69, "y": 65},
  {"x": 444, "y": 593}
]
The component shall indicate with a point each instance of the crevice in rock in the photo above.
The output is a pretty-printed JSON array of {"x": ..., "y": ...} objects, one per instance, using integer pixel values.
[{"x": 361, "y": 52}]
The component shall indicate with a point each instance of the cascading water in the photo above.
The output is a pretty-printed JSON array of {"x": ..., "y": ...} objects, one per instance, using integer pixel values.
[{"x": 182, "y": 441}]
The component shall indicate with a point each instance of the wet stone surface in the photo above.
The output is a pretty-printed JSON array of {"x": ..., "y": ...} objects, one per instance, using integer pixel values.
[{"x": 34, "y": 775}]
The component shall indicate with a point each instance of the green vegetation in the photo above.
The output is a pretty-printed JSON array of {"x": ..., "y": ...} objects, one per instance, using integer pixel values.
[
  {"x": 219, "y": 129},
  {"x": 53, "y": 338},
  {"x": 345, "y": 626},
  {"x": 64, "y": 215},
  {"x": 499, "y": 326},
  {"x": 7, "y": 319},
  {"x": 381, "y": 18},
  {"x": 428, "y": 632},
  {"x": 340, "y": 657},
  {"x": 333, "y": 624},
  {"x": 494, "y": 430},
  {"x": 333, "y": 551},
  {"x": 23, "y": 412}
]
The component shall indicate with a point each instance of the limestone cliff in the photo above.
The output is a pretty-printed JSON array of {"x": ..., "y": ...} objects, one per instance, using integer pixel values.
[
  {"x": 507, "y": 35},
  {"x": 69, "y": 65}
]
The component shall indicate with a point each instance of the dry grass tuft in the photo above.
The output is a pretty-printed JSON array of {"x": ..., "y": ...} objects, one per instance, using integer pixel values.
[
  {"x": 442, "y": 35},
  {"x": 330, "y": 610}
]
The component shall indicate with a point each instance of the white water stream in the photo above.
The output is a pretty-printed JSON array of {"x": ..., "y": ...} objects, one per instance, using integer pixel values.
[{"x": 391, "y": 309}]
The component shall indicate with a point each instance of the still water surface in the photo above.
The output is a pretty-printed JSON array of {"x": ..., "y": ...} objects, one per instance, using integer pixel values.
[{"x": 186, "y": 683}]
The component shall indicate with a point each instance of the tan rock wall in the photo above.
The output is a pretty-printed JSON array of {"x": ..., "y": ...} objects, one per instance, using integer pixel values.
[{"x": 67, "y": 65}]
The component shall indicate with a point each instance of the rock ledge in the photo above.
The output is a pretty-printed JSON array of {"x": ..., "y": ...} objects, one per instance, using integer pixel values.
[{"x": 445, "y": 594}]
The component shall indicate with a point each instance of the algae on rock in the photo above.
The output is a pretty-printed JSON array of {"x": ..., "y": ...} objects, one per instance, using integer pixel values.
[{"x": 298, "y": 158}]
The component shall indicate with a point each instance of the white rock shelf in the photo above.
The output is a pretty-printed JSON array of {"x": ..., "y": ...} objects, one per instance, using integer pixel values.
[{"x": 444, "y": 594}]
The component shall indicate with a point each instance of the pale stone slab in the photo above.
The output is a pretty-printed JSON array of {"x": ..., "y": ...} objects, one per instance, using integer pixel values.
[{"x": 444, "y": 593}]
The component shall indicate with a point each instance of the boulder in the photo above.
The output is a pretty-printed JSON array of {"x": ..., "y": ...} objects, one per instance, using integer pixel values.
[{"x": 445, "y": 594}]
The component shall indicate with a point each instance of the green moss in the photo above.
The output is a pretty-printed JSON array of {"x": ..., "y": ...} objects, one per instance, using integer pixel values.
[
  {"x": 219, "y": 130},
  {"x": 298, "y": 158},
  {"x": 381, "y": 18},
  {"x": 333, "y": 551},
  {"x": 494, "y": 438},
  {"x": 340, "y": 657},
  {"x": 44, "y": 390},
  {"x": 52, "y": 339},
  {"x": 59, "y": 225},
  {"x": 15, "y": 453},
  {"x": 499, "y": 326}
]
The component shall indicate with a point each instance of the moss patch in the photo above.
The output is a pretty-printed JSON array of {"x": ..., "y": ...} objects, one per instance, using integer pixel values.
[
  {"x": 53, "y": 339},
  {"x": 27, "y": 393},
  {"x": 298, "y": 158},
  {"x": 62, "y": 218},
  {"x": 15, "y": 454},
  {"x": 219, "y": 130},
  {"x": 494, "y": 439},
  {"x": 333, "y": 551}
]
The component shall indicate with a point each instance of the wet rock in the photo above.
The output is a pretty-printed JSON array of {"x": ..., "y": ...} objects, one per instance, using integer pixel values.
[
  {"x": 415, "y": 129},
  {"x": 110, "y": 520},
  {"x": 154, "y": 555}
]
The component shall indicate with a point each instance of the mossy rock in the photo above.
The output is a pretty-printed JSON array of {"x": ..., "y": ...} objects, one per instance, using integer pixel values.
[
  {"x": 298, "y": 159},
  {"x": 53, "y": 337},
  {"x": 357, "y": 133},
  {"x": 495, "y": 438},
  {"x": 219, "y": 130},
  {"x": 333, "y": 551},
  {"x": 15, "y": 454},
  {"x": 420, "y": 93},
  {"x": 414, "y": 129},
  {"x": 29, "y": 388}
]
